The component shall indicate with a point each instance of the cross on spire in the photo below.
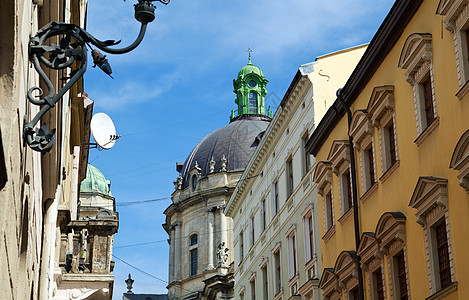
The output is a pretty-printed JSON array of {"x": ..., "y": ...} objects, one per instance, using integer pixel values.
[{"x": 249, "y": 50}]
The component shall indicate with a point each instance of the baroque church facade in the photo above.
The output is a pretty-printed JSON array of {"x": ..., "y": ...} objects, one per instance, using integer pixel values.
[{"x": 200, "y": 235}]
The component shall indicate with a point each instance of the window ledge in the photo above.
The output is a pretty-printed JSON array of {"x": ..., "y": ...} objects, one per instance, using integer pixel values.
[
  {"x": 389, "y": 171},
  {"x": 463, "y": 90},
  {"x": 445, "y": 292},
  {"x": 294, "y": 279},
  {"x": 426, "y": 133},
  {"x": 279, "y": 295},
  {"x": 369, "y": 192},
  {"x": 346, "y": 216},
  {"x": 330, "y": 232}
]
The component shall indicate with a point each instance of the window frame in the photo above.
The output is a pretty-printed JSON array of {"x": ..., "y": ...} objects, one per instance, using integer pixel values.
[
  {"x": 290, "y": 178},
  {"x": 275, "y": 199},
  {"x": 457, "y": 23},
  {"x": 416, "y": 59},
  {"x": 277, "y": 268},
  {"x": 431, "y": 201},
  {"x": 193, "y": 248}
]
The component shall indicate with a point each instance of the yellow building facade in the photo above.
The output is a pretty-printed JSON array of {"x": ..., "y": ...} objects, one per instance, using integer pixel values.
[{"x": 405, "y": 231}]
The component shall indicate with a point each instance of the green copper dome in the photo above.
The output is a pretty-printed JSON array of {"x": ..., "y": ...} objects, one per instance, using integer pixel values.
[
  {"x": 250, "y": 69},
  {"x": 95, "y": 182}
]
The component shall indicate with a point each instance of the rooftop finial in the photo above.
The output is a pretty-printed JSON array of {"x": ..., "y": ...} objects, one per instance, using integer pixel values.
[{"x": 249, "y": 53}]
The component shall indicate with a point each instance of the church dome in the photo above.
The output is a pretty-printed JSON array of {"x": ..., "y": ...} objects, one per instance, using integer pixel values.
[
  {"x": 95, "y": 182},
  {"x": 236, "y": 141},
  {"x": 248, "y": 69}
]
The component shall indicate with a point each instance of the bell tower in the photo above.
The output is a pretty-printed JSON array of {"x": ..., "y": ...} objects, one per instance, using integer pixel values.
[{"x": 250, "y": 91}]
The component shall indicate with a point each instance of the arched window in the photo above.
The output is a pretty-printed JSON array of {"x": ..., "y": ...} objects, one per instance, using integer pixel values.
[
  {"x": 193, "y": 255},
  {"x": 252, "y": 102}
]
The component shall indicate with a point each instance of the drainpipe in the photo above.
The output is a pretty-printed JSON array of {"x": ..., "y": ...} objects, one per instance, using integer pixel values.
[{"x": 354, "y": 194}]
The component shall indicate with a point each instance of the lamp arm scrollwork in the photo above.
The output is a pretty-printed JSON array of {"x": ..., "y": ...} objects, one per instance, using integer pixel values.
[{"x": 70, "y": 52}]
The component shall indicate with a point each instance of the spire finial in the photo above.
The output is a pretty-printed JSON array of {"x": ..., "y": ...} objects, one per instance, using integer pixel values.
[{"x": 249, "y": 53}]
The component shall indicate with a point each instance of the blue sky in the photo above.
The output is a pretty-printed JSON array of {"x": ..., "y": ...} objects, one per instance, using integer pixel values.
[{"x": 177, "y": 87}]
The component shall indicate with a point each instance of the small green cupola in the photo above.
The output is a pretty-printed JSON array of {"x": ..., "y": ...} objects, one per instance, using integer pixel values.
[{"x": 250, "y": 92}]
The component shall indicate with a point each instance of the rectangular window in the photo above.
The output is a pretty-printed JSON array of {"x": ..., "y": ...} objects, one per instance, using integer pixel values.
[
  {"x": 275, "y": 197},
  {"x": 428, "y": 100},
  {"x": 347, "y": 191},
  {"x": 253, "y": 289},
  {"x": 265, "y": 281},
  {"x": 289, "y": 178},
  {"x": 278, "y": 272},
  {"x": 353, "y": 295},
  {"x": 241, "y": 246},
  {"x": 378, "y": 284},
  {"x": 392, "y": 144},
  {"x": 371, "y": 166},
  {"x": 309, "y": 237},
  {"x": 193, "y": 262},
  {"x": 263, "y": 215},
  {"x": 251, "y": 225},
  {"x": 443, "y": 255},
  {"x": 292, "y": 246},
  {"x": 329, "y": 211},
  {"x": 401, "y": 275},
  {"x": 306, "y": 157}
]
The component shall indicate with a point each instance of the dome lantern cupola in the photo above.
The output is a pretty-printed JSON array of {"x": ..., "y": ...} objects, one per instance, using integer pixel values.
[{"x": 250, "y": 92}]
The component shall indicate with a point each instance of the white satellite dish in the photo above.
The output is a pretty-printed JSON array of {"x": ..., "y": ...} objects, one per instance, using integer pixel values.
[{"x": 103, "y": 130}]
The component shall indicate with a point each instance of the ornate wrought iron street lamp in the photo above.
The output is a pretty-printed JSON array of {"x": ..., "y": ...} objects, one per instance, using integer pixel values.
[{"x": 71, "y": 52}]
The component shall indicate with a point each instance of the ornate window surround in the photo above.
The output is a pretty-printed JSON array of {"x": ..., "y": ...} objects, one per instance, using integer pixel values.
[
  {"x": 456, "y": 21},
  {"x": 329, "y": 285},
  {"x": 371, "y": 260},
  {"x": 346, "y": 271},
  {"x": 339, "y": 156},
  {"x": 382, "y": 114},
  {"x": 416, "y": 59},
  {"x": 323, "y": 178},
  {"x": 362, "y": 131},
  {"x": 460, "y": 160},
  {"x": 431, "y": 201},
  {"x": 390, "y": 232}
]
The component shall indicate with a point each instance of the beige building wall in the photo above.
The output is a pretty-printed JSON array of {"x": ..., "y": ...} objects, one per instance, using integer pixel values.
[
  {"x": 273, "y": 258},
  {"x": 36, "y": 190}
]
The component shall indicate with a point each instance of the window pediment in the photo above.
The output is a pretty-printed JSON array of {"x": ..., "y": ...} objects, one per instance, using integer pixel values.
[
  {"x": 323, "y": 175},
  {"x": 360, "y": 127},
  {"x": 381, "y": 104},
  {"x": 346, "y": 266},
  {"x": 328, "y": 282},
  {"x": 368, "y": 248},
  {"x": 453, "y": 10},
  {"x": 339, "y": 154},
  {"x": 417, "y": 51},
  {"x": 391, "y": 227},
  {"x": 460, "y": 158},
  {"x": 429, "y": 193}
]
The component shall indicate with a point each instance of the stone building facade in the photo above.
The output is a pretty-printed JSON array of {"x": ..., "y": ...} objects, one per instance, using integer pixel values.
[
  {"x": 85, "y": 256},
  {"x": 274, "y": 206},
  {"x": 399, "y": 129},
  {"x": 200, "y": 235},
  {"x": 38, "y": 192}
]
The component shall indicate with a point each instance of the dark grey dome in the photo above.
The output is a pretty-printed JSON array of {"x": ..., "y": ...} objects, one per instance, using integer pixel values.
[{"x": 237, "y": 141}]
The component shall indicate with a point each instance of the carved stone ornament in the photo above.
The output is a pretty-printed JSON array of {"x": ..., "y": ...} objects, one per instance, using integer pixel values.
[
  {"x": 223, "y": 163},
  {"x": 212, "y": 165},
  {"x": 222, "y": 254}
]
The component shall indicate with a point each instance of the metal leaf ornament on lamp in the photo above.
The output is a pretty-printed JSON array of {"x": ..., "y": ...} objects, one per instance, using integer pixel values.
[{"x": 70, "y": 52}]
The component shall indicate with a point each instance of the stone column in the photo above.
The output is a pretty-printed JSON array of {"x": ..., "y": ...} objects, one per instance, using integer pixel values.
[
  {"x": 210, "y": 237},
  {"x": 171, "y": 254},
  {"x": 177, "y": 251}
]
